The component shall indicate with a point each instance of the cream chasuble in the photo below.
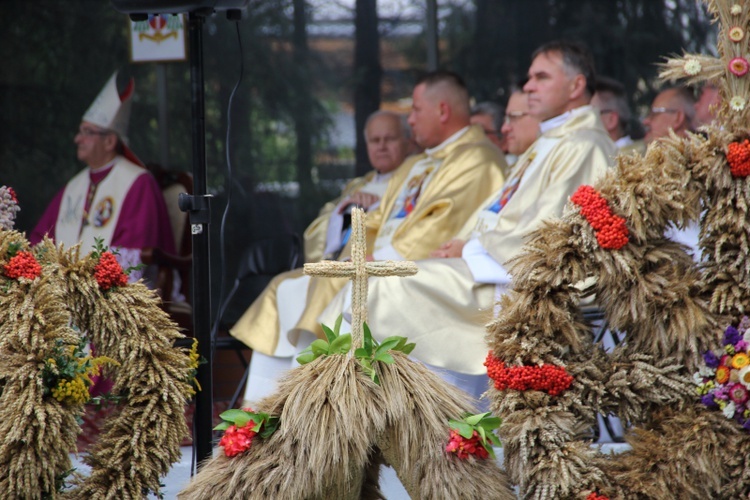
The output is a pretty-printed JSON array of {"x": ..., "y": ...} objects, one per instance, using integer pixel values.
[
  {"x": 443, "y": 307},
  {"x": 74, "y": 226},
  {"x": 470, "y": 170}
]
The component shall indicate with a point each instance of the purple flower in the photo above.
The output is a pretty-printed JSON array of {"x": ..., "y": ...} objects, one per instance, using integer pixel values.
[
  {"x": 746, "y": 425},
  {"x": 708, "y": 400},
  {"x": 731, "y": 336},
  {"x": 711, "y": 359},
  {"x": 721, "y": 392},
  {"x": 741, "y": 346}
]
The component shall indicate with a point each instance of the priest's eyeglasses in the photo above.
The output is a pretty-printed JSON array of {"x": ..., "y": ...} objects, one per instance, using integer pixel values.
[
  {"x": 90, "y": 132},
  {"x": 660, "y": 110},
  {"x": 513, "y": 117}
]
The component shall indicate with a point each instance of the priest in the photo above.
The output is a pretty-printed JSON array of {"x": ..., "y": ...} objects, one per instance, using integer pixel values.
[
  {"x": 113, "y": 198},
  {"x": 428, "y": 201},
  {"x": 444, "y": 307}
]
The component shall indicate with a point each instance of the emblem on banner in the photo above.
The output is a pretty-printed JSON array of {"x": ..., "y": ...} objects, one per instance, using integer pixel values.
[
  {"x": 103, "y": 212},
  {"x": 158, "y": 27}
]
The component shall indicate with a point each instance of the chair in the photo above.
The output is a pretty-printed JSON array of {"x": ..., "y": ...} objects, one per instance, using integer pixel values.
[
  {"x": 172, "y": 183},
  {"x": 608, "y": 425},
  {"x": 259, "y": 263}
]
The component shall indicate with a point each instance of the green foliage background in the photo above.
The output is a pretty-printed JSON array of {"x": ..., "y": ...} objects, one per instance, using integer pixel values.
[{"x": 57, "y": 55}]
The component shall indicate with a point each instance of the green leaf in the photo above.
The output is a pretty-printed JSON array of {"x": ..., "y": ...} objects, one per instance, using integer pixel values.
[
  {"x": 482, "y": 434},
  {"x": 258, "y": 418},
  {"x": 337, "y": 326},
  {"x": 493, "y": 439},
  {"x": 222, "y": 426},
  {"x": 384, "y": 357},
  {"x": 342, "y": 344},
  {"x": 320, "y": 347},
  {"x": 270, "y": 427},
  {"x": 366, "y": 365},
  {"x": 387, "y": 345},
  {"x": 408, "y": 348},
  {"x": 306, "y": 357},
  {"x": 474, "y": 419},
  {"x": 490, "y": 451},
  {"x": 330, "y": 334},
  {"x": 233, "y": 414},
  {"x": 367, "y": 338},
  {"x": 463, "y": 428},
  {"x": 490, "y": 423},
  {"x": 361, "y": 353},
  {"x": 242, "y": 421}
]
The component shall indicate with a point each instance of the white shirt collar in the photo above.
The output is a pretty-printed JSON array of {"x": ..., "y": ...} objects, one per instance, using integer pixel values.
[
  {"x": 559, "y": 120},
  {"x": 378, "y": 177},
  {"x": 623, "y": 141},
  {"x": 453, "y": 138}
]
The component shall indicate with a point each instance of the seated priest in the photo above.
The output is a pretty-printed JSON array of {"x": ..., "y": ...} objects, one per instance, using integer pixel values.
[
  {"x": 427, "y": 201},
  {"x": 453, "y": 295}
]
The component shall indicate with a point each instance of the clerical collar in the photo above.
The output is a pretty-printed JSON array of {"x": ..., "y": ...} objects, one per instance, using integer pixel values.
[
  {"x": 453, "y": 138},
  {"x": 96, "y": 175},
  {"x": 623, "y": 141},
  {"x": 383, "y": 177},
  {"x": 105, "y": 167},
  {"x": 560, "y": 120}
]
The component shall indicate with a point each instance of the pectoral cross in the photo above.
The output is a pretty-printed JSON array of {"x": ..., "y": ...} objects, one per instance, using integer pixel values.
[{"x": 359, "y": 270}]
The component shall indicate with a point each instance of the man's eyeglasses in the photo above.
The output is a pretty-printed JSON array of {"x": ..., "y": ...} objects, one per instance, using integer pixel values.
[
  {"x": 659, "y": 110},
  {"x": 513, "y": 117},
  {"x": 90, "y": 132}
]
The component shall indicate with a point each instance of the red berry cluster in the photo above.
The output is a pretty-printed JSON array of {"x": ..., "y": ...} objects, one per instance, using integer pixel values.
[
  {"x": 108, "y": 272},
  {"x": 464, "y": 447},
  {"x": 237, "y": 439},
  {"x": 23, "y": 264},
  {"x": 12, "y": 194},
  {"x": 596, "y": 496},
  {"x": 611, "y": 231},
  {"x": 553, "y": 380},
  {"x": 738, "y": 157}
]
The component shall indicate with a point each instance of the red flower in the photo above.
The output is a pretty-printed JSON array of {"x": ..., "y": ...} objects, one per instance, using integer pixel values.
[
  {"x": 611, "y": 231},
  {"x": 738, "y": 393},
  {"x": 553, "y": 380},
  {"x": 596, "y": 496},
  {"x": 12, "y": 194},
  {"x": 22, "y": 264},
  {"x": 108, "y": 272},
  {"x": 236, "y": 440},
  {"x": 738, "y": 157},
  {"x": 464, "y": 447},
  {"x": 739, "y": 66}
]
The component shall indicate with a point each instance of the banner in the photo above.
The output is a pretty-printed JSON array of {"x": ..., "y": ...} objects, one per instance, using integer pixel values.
[{"x": 158, "y": 39}]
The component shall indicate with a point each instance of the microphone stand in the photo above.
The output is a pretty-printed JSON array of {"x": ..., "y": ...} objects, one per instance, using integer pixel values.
[{"x": 198, "y": 206}]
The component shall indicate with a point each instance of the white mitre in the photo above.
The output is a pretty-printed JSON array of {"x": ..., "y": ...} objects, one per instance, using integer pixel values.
[{"x": 111, "y": 110}]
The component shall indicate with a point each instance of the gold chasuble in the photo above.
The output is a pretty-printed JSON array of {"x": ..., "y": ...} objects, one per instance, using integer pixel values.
[
  {"x": 443, "y": 307},
  {"x": 450, "y": 182},
  {"x": 465, "y": 171}
]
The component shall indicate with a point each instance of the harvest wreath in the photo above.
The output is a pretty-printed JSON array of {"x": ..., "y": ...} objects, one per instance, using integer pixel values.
[
  {"x": 44, "y": 375},
  {"x": 687, "y": 439},
  {"x": 353, "y": 405}
]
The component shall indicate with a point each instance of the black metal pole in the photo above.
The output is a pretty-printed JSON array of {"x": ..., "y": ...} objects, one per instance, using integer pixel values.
[
  {"x": 199, "y": 221},
  {"x": 433, "y": 50}
]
